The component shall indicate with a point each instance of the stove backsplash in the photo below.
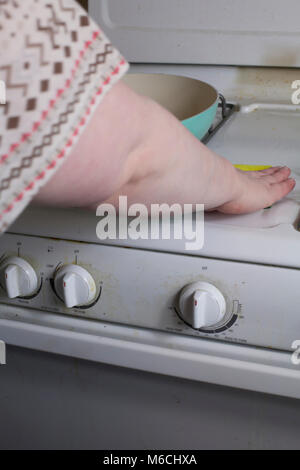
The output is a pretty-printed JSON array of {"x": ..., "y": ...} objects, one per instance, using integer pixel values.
[{"x": 231, "y": 32}]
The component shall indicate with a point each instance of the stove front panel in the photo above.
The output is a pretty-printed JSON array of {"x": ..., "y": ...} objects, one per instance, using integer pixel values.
[{"x": 140, "y": 288}]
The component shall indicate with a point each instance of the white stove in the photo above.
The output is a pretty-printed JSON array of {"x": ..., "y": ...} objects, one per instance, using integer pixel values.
[{"x": 252, "y": 260}]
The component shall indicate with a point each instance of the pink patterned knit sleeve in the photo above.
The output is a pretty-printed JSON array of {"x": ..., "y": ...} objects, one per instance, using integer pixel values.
[{"x": 55, "y": 68}]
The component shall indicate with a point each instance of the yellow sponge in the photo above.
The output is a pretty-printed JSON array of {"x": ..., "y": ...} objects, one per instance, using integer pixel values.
[{"x": 252, "y": 167}]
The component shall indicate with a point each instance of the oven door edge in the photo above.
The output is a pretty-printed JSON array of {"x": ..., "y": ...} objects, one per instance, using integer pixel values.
[{"x": 198, "y": 359}]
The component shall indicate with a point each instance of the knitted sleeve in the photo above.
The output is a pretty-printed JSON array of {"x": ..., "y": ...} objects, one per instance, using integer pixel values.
[{"x": 55, "y": 67}]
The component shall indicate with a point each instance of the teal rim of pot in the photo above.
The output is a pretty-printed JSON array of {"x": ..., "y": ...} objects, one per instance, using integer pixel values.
[{"x": 199, "y": 124}]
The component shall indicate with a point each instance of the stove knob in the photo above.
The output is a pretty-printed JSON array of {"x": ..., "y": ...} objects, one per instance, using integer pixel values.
[
  {"x": 201, "y": 305},
  {"x": 74, "y": 285},
  {"x": 18, "y": 277}
]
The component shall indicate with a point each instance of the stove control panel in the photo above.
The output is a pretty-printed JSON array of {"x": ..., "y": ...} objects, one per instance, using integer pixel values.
[{"x": 186, "y": 295}]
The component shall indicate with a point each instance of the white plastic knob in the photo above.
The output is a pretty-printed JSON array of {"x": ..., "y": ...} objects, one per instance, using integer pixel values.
[
  {"x": 18, "y": 277},
  {"x": 201, "y": 305},
  {"x": 74, "y": 285}
]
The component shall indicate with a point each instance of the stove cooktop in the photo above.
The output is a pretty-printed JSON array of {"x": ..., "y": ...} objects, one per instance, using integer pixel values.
[
  {"x": 262, "y": 134},
  {"x": 257, "y": 133}
]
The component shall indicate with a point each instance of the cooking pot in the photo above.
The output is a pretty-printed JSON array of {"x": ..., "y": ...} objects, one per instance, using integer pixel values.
[{"x": 192, "y": 101}]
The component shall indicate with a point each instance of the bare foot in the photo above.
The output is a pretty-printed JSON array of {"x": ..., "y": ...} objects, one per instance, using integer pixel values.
[{"x": 259, "y": 189}]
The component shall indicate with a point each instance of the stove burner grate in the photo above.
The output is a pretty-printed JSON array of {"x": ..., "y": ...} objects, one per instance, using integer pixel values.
[{"x": 227, "y": 110}]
